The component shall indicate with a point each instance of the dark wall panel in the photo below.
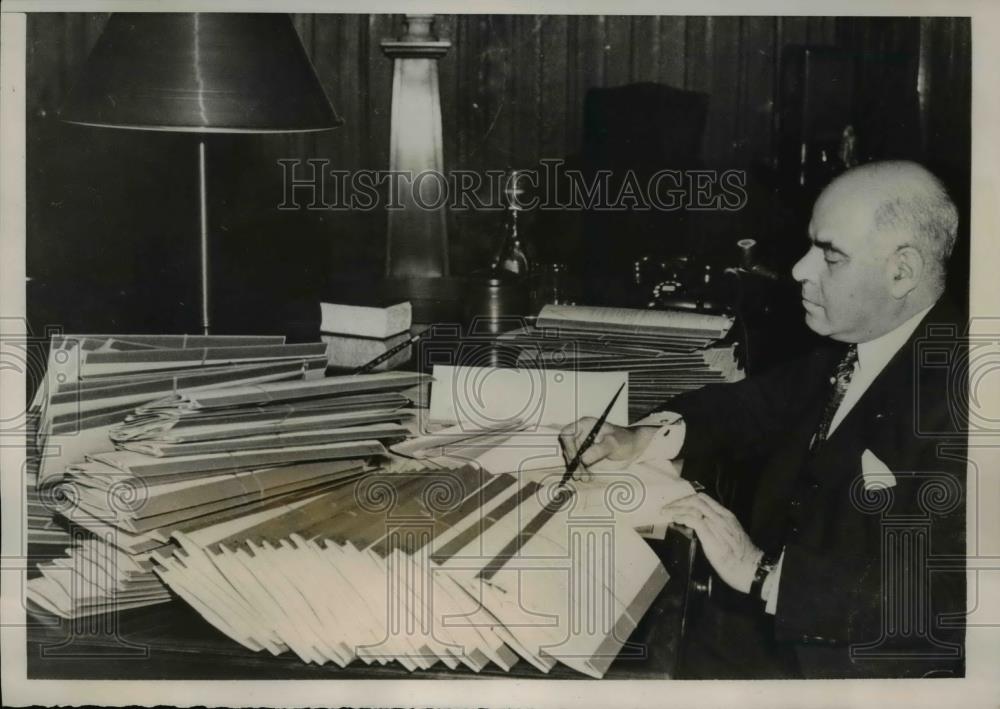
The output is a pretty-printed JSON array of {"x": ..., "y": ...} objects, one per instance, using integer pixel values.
[{"x": 512, "y": 90}]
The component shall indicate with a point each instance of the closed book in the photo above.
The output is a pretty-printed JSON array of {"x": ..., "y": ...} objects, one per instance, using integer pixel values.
[
  {"x": 349, "y": 352},
  {"x": 364, "y": 320}
]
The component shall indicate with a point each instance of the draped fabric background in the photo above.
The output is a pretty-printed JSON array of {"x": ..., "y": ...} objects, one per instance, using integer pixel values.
[{"x": 112, "y": 215}]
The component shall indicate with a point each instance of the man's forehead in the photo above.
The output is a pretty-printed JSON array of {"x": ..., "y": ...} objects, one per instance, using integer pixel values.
[{"x": 842, "y": 218}]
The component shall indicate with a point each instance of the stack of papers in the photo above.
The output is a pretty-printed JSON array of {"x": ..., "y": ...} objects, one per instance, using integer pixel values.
[
  {"x": 127, "y": 521},
  {"x": 663, "y": 352},
  {"x": 92, "y": 381},
  {"x": 45, "y": 532},
  {"x": 270, "y": 416},
  {"x": 195, "y": 457},
  {"x": 456, "y": 567}
]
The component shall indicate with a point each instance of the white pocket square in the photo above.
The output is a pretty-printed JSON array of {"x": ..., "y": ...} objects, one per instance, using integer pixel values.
[{"x": 875, "y": 473}]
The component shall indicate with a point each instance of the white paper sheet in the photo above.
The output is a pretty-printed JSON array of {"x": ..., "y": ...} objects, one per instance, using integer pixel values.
[{"x": 485, "y": 397}]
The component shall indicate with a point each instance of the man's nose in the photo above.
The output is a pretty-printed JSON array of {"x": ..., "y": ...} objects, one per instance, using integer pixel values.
[{"x": 805, "y": 268}]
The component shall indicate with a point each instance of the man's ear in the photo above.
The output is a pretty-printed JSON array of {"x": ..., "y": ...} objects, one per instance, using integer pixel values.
[{"x": 906, "y": 270}]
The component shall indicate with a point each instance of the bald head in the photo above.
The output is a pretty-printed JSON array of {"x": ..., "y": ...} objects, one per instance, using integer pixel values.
[
  {"x": 880, "y": 237},
  {"x": 906, "y": 206}
]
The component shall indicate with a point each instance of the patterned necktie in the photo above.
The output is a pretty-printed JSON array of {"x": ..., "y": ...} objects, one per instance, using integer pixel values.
[{"x": 839, "y": 382}]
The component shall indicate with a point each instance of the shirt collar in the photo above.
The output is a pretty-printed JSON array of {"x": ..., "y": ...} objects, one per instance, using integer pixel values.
[{"x": 875, "y": 354}]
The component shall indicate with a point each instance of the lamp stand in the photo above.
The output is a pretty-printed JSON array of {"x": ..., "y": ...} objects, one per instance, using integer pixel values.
[
  {"x": 417, "y": 238},
  {"x": 203, "y": 212},
  {"x": 200, "y": 73}
]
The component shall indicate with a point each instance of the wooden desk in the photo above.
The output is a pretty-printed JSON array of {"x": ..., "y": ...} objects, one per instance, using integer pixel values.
[{"x": 172, "y": 641}]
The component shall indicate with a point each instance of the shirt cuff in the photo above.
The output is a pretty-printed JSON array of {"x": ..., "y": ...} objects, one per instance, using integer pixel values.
[
  {"x": 769, "y": 591},
  {"x": 669, "y": 438}
]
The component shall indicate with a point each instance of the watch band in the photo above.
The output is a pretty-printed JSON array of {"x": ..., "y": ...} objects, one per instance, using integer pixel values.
[{"x": 764, "y": 567}]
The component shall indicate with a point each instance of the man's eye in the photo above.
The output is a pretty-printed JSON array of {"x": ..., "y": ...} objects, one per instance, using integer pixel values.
[{"x": 832, "y": 258}]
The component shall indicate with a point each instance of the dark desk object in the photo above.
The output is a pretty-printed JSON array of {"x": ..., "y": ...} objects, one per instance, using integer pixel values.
[
  {"x": 173, "y": 642},
  {"x": 637, "y": 130}
]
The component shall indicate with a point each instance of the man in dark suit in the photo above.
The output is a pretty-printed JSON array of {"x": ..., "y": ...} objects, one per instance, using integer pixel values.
[{"x": 850, "y": 561}]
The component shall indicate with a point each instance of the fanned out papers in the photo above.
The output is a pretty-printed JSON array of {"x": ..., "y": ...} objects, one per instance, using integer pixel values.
[
  {"x": 109, "y": 569},
  {"x": 198, "y": 458},
  {"x": 80, "y": 584},
  {"x": 534, "y": 453},
  {"x": 455, "y": 567},
  {"x": 664, "y": 352}
]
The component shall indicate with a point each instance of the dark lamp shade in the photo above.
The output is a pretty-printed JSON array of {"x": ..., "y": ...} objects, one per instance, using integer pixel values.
[{"x": 200, "y": 72}]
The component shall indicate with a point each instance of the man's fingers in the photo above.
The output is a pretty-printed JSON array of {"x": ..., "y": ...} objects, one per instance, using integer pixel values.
[
  {"x": 567, "y": 439},
  {"x": 730, "y": 524},
  {"x": 697, "y": 505},
  {"x": 716, "y": 548},
  {"x": 680, "y": 503},
  {"x": 700, "y": 503},
  {"x": 723, "y": 522},
  {"x": 604, "y": 446},
  {"x": 715, "y": 505},
  {"x": 709, "y": 524},
  {"x": 573, "y": 435},
  {"x": 682, "y": 507}
]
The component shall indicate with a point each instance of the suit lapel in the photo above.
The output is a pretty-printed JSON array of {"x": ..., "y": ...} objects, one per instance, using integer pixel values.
[{"x": 875, "y": 421}]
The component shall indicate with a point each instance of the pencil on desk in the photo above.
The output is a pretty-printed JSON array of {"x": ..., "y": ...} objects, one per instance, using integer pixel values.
[{"x": 369, "y": 366}]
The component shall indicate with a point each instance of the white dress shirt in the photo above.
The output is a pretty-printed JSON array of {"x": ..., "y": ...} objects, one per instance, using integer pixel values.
[{"x": 873, "y": 356}]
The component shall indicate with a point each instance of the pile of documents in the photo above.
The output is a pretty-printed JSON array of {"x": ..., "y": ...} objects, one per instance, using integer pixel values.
[
  {"x": 45, "y": 533},
  {"x": 92, "y": 381},
  {"x": 237, "y": 421},
  {"x": 663, "y": 352},
  {"x": 127, "y": 520},
  {"x": 266, "y": 496},
  {"x": 455, "y": 567},
  {"x": 190, "y": 458}
]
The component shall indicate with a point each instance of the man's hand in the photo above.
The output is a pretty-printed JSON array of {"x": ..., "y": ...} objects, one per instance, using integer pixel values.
[
  {"x": 729, "y": 549},
  {"x": 613, "y": 443}
]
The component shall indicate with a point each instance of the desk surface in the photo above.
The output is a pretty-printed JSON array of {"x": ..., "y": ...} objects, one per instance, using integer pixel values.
[{"x": 172, "y": 641}]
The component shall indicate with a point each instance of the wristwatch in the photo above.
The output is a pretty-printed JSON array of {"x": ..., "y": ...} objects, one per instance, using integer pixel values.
[{"x": 764, "y": 567}]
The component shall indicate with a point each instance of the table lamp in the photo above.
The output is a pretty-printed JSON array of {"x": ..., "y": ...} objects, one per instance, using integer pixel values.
[{"x": 200, "y": 73}]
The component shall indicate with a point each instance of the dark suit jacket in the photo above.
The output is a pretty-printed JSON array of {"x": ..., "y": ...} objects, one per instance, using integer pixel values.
[{"x": 857, "y": 595}]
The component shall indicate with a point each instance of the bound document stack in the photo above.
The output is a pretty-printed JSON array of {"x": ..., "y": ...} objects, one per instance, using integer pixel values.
[
  {"x": 128, "y": 518},
  {"x": 45, "y": 533},
  {"x": 456, "y": 567},
  {"x": 663, "y": 352},
  {"x": 358, "y": 334},
  {"x": 92, "y": 381},
  {"x": 195, "y": 458}
]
